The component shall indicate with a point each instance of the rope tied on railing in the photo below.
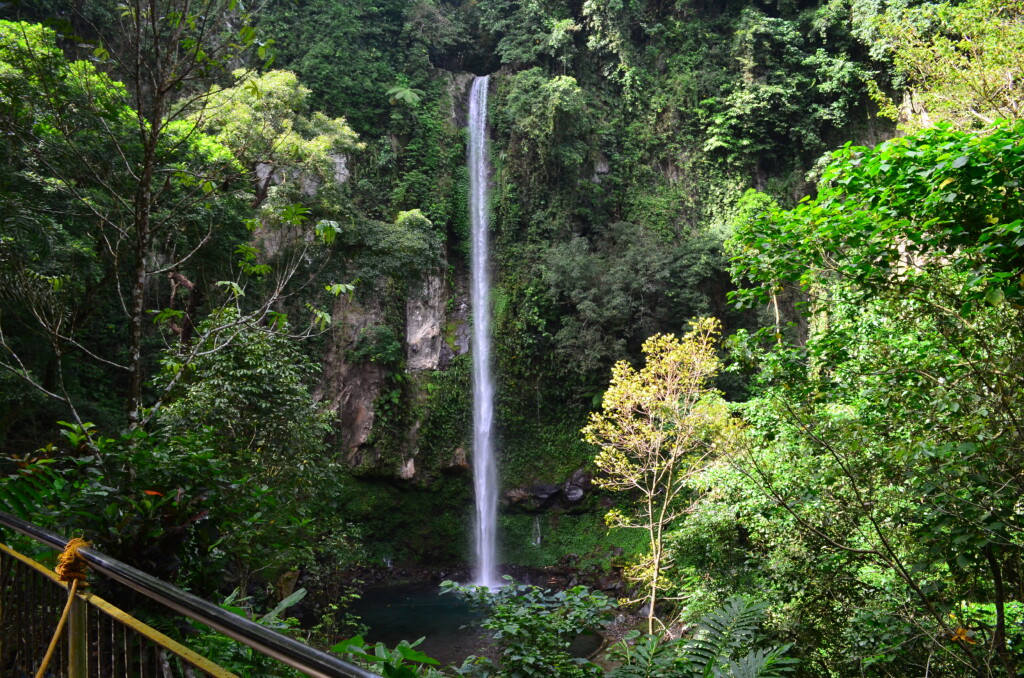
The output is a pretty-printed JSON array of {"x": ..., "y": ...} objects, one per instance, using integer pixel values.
[
  {"x": 70, "y": 567},
  {"x": 70, "y": 564}
]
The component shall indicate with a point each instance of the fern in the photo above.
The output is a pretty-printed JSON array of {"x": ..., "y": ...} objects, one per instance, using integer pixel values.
[
  {"x": 759, "y": 664},
  {"x": 24, "y": 493},
  {"x": 722, "y": 648},
  {"x": 724, "y": 632},
  {"x": 652, "y": 656}
]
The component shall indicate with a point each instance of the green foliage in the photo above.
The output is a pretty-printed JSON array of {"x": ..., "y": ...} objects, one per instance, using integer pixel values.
[
  {"x": 314, "y": 40},
  {"x": 265, "y": 121},
  {"x": 378, "y": 344},
  {"x": 409, "y": 96},
  {"x": 785, "y": 93},
  {"x": 433, "y": 518},
  {"x": 404, "y": 661},
  {"x": 183, "y": 511},
  {"x": 580, "y": 536},
  {"x": 242, "y": 659},
  {"x": 531, "y": 31},
  {"x": 723, "y": 636},
  {"x": 548, "y": 115},
  {"x": 612, "y": 194},
  {"x": 611, "y": 26},
  {"x": 534, "y": 627},
  {"x": 539, "y": 446},
  {"x": 647, "y": 656},
  {"x": 399, "y": 251},
  {"x": 615, "y": 293},
  {"x": 250, "y": 387},
  {"x": 724, "y": 644},
  {"x": 886, "y": 438},
  {"x": 445, "y": 413},
  {"x": 960, "y": 61},
  {"x": 137, "y": 200},
  {"x": 140, "y": 498},
  {"x": 886, "y": 218}
]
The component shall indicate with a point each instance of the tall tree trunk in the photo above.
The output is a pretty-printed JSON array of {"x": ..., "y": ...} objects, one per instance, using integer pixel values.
[
  {"x": 656, "y": 564},
  {"x": 143, "y": 240},
  {"x": 135, "y": 337},
  {"x": 999, "y": 635}
]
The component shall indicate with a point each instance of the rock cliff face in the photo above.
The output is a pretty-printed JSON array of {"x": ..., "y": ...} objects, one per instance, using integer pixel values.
[
  {"x": 458, "y": 90},
  {"x": 424, "y": 324},
  {"x": 436, "y": 330},
  {"x": 437, "y": 322},
  {"x": 350, "y": 388}
]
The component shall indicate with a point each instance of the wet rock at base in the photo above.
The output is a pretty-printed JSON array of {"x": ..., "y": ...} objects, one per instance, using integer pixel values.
[
  {"x": 544, "y": 492},
  {"x": 577, "y": 485}
]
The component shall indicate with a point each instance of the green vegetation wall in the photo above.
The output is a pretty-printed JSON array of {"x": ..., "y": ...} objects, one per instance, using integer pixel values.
[{"x": 624, "y": 135}]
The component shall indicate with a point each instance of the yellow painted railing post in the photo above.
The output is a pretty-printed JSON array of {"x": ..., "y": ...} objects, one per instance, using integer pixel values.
[
  {"x": 75, "y": 630},
  {"x": 78, "y": 640}
]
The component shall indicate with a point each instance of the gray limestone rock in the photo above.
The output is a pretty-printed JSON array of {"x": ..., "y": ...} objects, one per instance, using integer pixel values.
[{"x": 424, "y": 324}]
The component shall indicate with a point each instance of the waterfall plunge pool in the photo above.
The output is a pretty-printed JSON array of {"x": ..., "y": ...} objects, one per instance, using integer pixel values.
[{"x": 411, "y": 611}]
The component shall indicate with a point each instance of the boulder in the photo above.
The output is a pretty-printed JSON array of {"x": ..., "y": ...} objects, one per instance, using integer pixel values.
[
  {"x": 577, "y": 485},
  {"x": 544, "y": 492},
  {"x": 517, "y": 495}
]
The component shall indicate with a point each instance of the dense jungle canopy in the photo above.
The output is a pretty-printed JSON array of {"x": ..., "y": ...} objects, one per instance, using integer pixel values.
[{"x": 758, "y": 292}]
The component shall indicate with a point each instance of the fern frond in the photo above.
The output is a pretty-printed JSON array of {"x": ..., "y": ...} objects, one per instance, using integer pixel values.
[
  {"x": 722, "y": 632},
  {"x": 653, "y": 656},
  {"x": 760, "y": 664},
  {"x": 23, "y": 494}
]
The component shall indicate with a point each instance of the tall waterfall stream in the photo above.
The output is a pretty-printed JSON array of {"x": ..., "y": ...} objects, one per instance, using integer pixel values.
[{"x": 485, "y": 476}]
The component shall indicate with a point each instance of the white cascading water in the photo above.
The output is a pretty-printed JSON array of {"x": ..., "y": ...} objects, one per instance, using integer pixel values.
[{"x": 485, "y": 475}]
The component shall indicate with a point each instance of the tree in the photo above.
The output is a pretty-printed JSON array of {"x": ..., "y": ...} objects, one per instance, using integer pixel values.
[
  {"x": 246, "y": 395},
  {"x": 264, "y": 118},
  {"x": 657, "y": 427},
  {"x": 253, "y": 396},
  {"x": 166, "y": 50},
  {"x": 891, "y": 436},
  {"x": 151, "y": 189},
  {"x": 961, "y": 62},
  {"x": 89, "y": 176}
]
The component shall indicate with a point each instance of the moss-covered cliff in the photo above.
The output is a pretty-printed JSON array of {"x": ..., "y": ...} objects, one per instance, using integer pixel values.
[{"x": 624, "y": 136}]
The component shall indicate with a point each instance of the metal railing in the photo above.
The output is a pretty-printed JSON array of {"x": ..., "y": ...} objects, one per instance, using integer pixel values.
[
  {"x": 100, "y": 641},
  {"x": 103, "y": 641}
]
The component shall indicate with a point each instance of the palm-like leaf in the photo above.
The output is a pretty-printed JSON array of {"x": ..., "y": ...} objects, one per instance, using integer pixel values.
[
  {"x": 24, "y": 493},
  {"x": 407, "y": 95},
  {"x": 721, "y": 648},
  {"x": 723, "y": 632},
  {"x": 760, "y": 664}
]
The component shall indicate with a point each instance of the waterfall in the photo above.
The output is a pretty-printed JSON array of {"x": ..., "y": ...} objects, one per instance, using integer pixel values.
[{"x": 485, "y": 475}]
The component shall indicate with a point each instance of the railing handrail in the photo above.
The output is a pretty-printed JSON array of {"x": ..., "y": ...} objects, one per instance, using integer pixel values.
[{"x": 266, "y": 641}]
